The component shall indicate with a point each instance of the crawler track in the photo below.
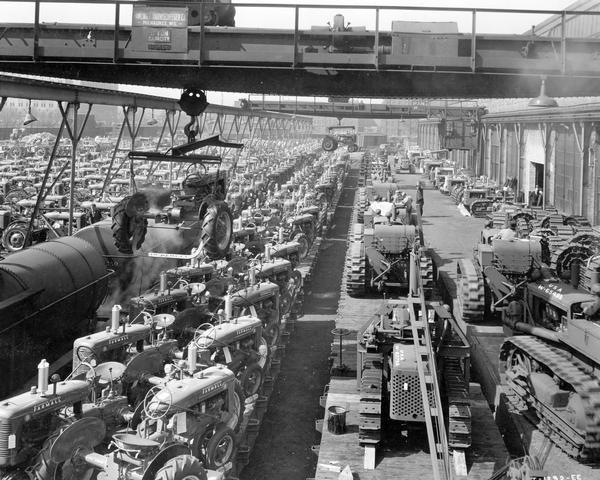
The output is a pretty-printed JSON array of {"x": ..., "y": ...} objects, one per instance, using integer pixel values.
[
  {"x": 583, "y": 444},
  {"x": 470, "y": 293}
]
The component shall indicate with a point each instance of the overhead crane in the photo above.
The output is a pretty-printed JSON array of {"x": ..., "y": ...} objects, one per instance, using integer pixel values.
[
  {"x": 403, "y": 109},
  {"x": 322, "y": 60}
]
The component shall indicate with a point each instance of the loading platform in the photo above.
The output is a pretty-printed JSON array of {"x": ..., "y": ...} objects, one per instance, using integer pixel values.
[
  {"x": 335, "y": 452},
  {"x": 499, "y": 431}
]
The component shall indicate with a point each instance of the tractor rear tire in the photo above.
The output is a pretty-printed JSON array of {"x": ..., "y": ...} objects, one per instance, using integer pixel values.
[
  {"x": 251, "y": 379},
  {"x": 217, "y": 230},
  {"x": 182, "y": 467},
  {"x": 128, "y": 232},
  {"x": 220, "y": 448},
  {"x": 329, "y": 144}
]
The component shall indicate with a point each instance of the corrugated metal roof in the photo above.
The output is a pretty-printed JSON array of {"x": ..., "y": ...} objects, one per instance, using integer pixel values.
[
  {"x": 577, "y": 26},
  {"x": 587, "y": 111}
]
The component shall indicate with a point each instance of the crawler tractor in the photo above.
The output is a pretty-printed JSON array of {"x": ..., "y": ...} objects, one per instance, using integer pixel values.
[
  {"x": 379, "y": 254},
  {"x": 552, "y": 362},
  {"x": 411, "y": 357},
  {"x": 513, "y": 258}
]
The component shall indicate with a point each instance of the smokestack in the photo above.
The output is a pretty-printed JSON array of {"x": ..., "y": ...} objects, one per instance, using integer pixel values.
[
  {"x": 227, "y": 307},
  {"x": 43, "y": 372},
  {"x": 163, "y": 282},
  {"x": 251, "y": 276},
  {"x": 281, "y": 230},
  {"x": 115, "y": 318},
  {"x": 267, "y": 253},
  {"x": 192, "y": 357}
]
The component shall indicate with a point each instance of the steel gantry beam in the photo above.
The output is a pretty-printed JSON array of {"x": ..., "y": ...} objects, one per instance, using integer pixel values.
[
  {"x": 322, "y": 60},
  {"x": 403, "y": 109},
  {"x": 230, "y": 122}
]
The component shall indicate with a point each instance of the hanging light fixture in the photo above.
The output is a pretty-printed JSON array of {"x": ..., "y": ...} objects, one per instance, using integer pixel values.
[
  {"x": 543, "y": 100},
  {"x": 29, "y": 118},
  {"x": 152, "y": 121}
]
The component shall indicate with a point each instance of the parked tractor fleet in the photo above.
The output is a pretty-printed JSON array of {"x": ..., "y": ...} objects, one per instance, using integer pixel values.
[
  {"x": 155, "y": 331},
  {"x": 175, "y": 304}
]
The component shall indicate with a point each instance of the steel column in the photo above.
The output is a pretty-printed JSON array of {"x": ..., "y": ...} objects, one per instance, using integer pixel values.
[{"x": 41, "y": 193}]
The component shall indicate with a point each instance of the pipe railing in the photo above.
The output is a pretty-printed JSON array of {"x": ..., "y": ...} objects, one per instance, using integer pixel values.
[{"x": 296, "y": 10}]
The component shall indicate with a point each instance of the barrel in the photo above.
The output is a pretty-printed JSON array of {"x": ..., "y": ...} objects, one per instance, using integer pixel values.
[{"x": 336, "y": 420}]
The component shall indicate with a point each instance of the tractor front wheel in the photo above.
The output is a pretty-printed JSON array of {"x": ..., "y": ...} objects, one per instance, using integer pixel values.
[
  {"x": 353, "y": 147},
  {"x": 182, "y": 467},
  {"x": 220, "y": 448},
  {"x": 251, "y": 379}
]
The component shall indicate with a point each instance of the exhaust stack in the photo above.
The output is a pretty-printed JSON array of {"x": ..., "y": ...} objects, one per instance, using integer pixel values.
[
  {"x": 115, "y": 318},
  {"x": 43, "y": 372}
]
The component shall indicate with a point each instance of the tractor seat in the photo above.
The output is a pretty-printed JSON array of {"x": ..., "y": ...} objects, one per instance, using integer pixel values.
[{"x": 133, "y": 443}]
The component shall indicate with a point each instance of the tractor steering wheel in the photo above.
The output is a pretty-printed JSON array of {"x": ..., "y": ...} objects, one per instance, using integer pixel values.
[
  {"x": 202, "y": 342},
  {"x": 153, "y": 407},
  {"x": 196, "y": 172},
  {"x": 85, "y": 354}
]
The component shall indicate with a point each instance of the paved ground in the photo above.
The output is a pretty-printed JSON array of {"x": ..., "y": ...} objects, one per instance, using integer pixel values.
[{"x": 283, "y": 447}]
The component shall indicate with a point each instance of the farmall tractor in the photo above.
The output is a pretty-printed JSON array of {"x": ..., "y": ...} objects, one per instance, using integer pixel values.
[
  {"x": 379, "y": 253},
  {"x": 239, "y": 345},
  {"x": 73, "y": 428},
  {"x": 344, "y": 134},
  {"x": 196, "y": 213}
]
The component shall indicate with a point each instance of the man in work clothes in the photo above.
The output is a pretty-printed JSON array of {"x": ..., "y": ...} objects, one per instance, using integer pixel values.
[
  {"x": 509, "y": 233},
  {"x": 420, "y": 200}
]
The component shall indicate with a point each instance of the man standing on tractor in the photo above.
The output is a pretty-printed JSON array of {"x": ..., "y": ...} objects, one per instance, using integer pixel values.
[
  {"x": 420, "y": 199},
  {"x": 509, "y": 233}
]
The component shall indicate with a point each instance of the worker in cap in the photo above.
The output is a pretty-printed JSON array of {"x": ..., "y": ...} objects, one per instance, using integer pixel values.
[{"x": 420, "y": 200}]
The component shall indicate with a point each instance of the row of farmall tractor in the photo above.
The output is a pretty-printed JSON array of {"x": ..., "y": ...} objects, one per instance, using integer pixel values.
[{"x": 160, "y": 392}]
